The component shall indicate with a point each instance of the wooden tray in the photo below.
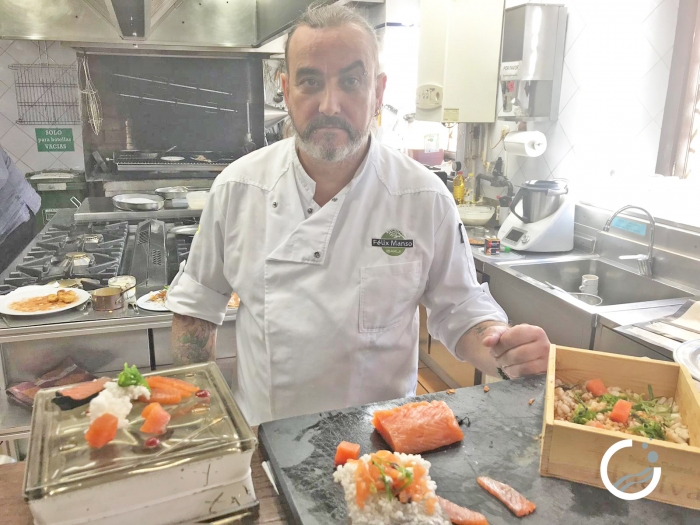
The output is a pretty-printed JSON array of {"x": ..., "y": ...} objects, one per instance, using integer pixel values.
[{"x": 574, "y": 452}]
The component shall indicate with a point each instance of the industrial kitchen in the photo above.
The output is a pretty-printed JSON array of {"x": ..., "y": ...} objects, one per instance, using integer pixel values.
[{"x": 390, "y": 262}]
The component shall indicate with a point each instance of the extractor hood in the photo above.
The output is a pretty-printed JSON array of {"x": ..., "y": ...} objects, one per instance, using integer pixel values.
[{"x": 177, "y": 24}]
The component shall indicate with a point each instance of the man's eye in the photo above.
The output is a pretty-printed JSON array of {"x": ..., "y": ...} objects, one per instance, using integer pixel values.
[
  {"x": 351, "y": 82},
  {"x": 309, "y": 82}
]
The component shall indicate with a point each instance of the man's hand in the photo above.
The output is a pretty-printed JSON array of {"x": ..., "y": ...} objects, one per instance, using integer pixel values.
[{"x": 519, "y": 350}]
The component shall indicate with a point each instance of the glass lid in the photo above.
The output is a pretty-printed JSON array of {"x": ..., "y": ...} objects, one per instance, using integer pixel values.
[{"x": 59, "y": 458}]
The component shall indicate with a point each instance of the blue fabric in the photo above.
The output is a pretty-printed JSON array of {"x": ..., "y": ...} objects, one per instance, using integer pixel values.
[{"x": 17, "y": 197}]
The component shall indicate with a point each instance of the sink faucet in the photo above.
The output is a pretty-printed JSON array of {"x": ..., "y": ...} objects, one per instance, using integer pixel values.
[{"x": 645, "y": 262}]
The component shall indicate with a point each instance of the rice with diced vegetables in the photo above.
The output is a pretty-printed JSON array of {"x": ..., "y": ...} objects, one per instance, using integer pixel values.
[
  {"x": 611, "y": 408},
  {"x": 390, "y": 489}
]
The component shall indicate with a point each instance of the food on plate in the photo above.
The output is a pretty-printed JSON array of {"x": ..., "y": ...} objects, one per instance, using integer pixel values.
[
  {"x": 80, "y": 394},
  {"x": 486, "y": 388},
  {"x": 596, "y": 387},
  {"x": 511, "y": 498},
  {"x": 158, "y": 297},
  {"x": 390, "y": 489},
  {"x": 461, "y": 515},
  {"x": 171, "y": 382},
  {"x": 156, "y": 419},
  {"x": 418, "y": 427},
  {"x": 620, "y": 410},
  {"x": 201, "y": 158},
  {"x": 102, "y": 430},
  {"x": 235, "y": 301},
  {"x": 45, "y": 303},
  {"x": 164, "y": 396},
  {"x": 345, "y": 452}
]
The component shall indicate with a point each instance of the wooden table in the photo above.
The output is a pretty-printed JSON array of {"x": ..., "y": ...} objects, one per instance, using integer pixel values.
[{"x": 14, "y": 510}]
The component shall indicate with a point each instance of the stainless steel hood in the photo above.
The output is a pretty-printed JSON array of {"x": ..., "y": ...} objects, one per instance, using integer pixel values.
[{"x": 183, "y": 24}]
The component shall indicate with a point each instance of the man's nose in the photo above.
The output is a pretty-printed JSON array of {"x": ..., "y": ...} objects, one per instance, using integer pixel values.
[{"x": 330, "y": 101}]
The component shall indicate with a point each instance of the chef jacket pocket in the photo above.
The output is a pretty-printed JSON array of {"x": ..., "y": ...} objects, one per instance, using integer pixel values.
[{"x": 386, "y": 293}]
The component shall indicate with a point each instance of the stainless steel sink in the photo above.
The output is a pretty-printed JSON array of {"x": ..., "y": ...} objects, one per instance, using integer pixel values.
[{"x": 616, "y": 285}]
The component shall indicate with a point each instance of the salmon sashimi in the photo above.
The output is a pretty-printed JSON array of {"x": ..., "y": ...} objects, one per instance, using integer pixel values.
[
  {"x": 149, "y": 409},
  {"x": 102, "y": 431},
  {"x": 157, "y": 419},
  {"x": 171, "y": 382},
  {"x": 418, "y": 427},
  {"x": 163, "y": 396},
  {"x": 511, "y": 498},
  {"x": 345, "y": 452},
  {"x": 461, "y": 515},
  {"x": 84, "y": 390}
]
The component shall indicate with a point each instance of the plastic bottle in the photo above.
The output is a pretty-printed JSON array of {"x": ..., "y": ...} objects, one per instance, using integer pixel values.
[
  {"x": 471, "y": 188},
  {"x": 458, "y": 188}
]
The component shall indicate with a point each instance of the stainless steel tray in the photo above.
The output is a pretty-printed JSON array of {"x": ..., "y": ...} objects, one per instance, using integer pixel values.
[
  {"x": 125, "y": 202},
  {"x": 59, "y": 459}
]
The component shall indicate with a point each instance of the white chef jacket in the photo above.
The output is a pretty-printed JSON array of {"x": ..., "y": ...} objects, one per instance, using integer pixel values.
[{"x": 328, "y": 315}]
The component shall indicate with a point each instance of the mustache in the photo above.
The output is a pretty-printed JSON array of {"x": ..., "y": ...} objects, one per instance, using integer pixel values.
[{"x": 325, "y": 121}]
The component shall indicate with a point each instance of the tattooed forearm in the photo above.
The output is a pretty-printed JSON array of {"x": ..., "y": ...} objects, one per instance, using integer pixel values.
[
  {"x": 193, "y": 340},
  {"x": 478, "y": 330}
]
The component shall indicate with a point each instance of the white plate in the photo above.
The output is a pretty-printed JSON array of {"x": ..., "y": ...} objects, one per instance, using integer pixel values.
[
  {"x": 145, "y": 302},
  {"x": 688, "y": 354},
  {"x": 39, "y": 291},
  {"x": 172, "y": 159}
]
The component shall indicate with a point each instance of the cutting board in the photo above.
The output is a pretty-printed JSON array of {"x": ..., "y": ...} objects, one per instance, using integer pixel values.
[{"x": 501, "y": 441}]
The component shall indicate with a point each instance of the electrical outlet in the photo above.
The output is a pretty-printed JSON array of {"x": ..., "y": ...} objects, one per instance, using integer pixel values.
[{"x": 504, "y": 131}]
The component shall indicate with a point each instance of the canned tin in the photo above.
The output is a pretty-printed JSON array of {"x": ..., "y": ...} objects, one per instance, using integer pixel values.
[{"x": 492, "y": 246}]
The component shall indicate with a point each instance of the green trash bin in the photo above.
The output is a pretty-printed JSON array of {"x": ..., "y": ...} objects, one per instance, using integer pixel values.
[{"x": 58, "y": 189}]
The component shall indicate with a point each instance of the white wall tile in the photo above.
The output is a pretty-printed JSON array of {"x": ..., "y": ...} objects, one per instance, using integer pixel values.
[
  {"x": 653, "y": 86},
  {"x": 660, "y": 27},
  {"x": 38, "y": 160},
  {"x": 3, "y": 88},
  {"x": 62, "y": 54},
  {"x": 16, "y": 142},
  {"x": 8, "y": 106},
  {"x": 5, "y": 125},
  {"x": 4, "y": 44},
  {"x": 73, "y": 159},
  {"x": 568, "y": 88},
  {"x": 668, "y": 57},
  {"x": 568, "y": 169},
  {"x": 7, "y": 76},
  {"x": 659, "y": 118},
  {"x": 23, "y": 51},
  {"x": 535, "y": 168},
  {"x": 23, "y": 167},
  {"x": 558, "y": 146},
  {"x": 574, "y": 26}
]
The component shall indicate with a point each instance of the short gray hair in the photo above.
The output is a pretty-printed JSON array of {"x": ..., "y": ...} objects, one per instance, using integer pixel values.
[{"x": 321, "y": 16}]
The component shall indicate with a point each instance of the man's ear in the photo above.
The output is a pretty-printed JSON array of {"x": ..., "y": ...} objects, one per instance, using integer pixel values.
[
  {"x": 379, "y": 91},
  {"x": 284, "y": 79}
]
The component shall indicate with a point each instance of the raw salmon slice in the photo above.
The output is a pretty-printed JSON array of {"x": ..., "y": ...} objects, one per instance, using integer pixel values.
[
  {"x": 461, "y": 515},
  {"x": 511, "y": 498},
  {"x": 102, "y": 431},
  {"x": 84, "y": 390},
  {"x": 418, "y": 427},
  {"x": 171, "y": 382},
  {"x": 163, "y": 396},
  {"x": 345, "y": 452},
  {"x": 157, "y": 419}
]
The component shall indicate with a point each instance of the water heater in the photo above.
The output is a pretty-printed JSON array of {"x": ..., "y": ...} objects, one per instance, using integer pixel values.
[{"x": 458, "y": 60}]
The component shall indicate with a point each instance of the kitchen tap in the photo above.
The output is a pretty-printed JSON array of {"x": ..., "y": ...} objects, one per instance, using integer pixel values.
[{"x": 645, "y": 262}]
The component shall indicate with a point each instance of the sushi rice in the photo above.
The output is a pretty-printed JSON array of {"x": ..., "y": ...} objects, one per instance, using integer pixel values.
[
  {"x": 116, "y": 400},
  {"x": 378, "y": 509}
]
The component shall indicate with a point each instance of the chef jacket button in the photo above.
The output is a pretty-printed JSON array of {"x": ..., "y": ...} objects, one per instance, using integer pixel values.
[
  {"x": 334, "y": 199},
  {"x": 274, "y": 204},
  {"x": 310, "y": 210},
  {"x": 317, "y": 255}
]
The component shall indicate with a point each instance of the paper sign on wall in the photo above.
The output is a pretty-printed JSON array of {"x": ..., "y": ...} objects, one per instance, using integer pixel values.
[{"x": 54, "y": 139}]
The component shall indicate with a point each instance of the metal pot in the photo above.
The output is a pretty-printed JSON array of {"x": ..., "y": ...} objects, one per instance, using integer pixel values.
[
  {"x": 107, "y": 299},
  {"x": 540, "y": 199},
  {"x": 138, "y": 202}
]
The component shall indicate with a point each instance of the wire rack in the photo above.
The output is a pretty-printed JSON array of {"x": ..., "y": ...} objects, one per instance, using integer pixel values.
[{"x": 47, "y": 93}]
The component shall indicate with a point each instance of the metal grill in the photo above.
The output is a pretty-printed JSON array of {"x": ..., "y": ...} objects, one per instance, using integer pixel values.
[
  {"x": 47, "y": 94},
  {"x": 157, "y": 257}
]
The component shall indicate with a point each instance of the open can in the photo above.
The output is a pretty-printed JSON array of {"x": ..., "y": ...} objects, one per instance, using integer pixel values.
[{"x": 492, "y": 246}]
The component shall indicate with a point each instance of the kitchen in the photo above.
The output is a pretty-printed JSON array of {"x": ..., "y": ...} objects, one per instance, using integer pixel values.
[{"x": 175, "y": 108}]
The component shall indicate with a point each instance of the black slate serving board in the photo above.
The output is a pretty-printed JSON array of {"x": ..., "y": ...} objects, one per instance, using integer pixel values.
[{"x": 501, "y": 442}]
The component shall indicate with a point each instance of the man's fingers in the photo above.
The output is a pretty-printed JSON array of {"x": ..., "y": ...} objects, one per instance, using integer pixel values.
[
  {"x": 516, "y": 336},
  {"x": 492, "y": 335},
  {"x": 521, "y": 354},
  {"x": 538, "y": 366}
]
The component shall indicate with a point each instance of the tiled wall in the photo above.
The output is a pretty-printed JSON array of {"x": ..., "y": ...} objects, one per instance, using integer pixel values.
[
  {"x": 616, "y": 70},
  {"x": 20, "y": 140}
]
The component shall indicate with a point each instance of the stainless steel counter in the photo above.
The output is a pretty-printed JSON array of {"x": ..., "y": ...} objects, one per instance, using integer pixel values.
[{"x": 101, "y": 209}]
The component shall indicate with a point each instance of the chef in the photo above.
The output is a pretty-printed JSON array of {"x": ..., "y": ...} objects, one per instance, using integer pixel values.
[{"x": 331, "y": 241}]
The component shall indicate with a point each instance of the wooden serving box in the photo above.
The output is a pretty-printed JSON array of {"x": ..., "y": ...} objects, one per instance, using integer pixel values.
[{"x": 574, "y": 452}]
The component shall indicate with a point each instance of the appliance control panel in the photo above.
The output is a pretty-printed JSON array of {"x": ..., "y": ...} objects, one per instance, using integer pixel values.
[{"x": 429, "y": 96}]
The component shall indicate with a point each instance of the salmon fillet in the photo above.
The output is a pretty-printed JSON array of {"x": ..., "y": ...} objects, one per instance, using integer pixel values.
[
  {"x": 511, "y": 498},
  {"x": 461, "y": 515},
  {"x": 418, "y": 427},
  {"x": 84, "y": 390}
]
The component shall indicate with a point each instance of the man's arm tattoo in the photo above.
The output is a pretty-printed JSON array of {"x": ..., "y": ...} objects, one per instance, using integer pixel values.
[{"x": 193, "y": 340}]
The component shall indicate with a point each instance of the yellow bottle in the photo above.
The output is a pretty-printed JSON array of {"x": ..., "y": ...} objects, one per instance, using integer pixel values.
[{"x": 458, "y": 188}]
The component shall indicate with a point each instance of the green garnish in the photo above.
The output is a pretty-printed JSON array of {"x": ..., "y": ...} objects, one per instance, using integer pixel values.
[
  {"x": 651, "y": 392},
  {"x": 583, "y": 415},
  {"x": 651, "y": 429},
  {"x": 406, "y": 474},
  {"x": 132, "y": 377},
  {"x": 387, "y": 486}
]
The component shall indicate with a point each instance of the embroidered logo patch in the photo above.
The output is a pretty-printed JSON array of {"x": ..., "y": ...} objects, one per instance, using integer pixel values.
[{"x": 393, "y": 243}]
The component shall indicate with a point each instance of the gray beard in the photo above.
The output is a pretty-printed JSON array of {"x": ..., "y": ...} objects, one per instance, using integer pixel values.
[{"x": 325, "y": 150}]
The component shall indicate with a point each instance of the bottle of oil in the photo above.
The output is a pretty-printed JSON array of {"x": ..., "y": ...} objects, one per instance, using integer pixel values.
[{"x": 458, "y": 188}]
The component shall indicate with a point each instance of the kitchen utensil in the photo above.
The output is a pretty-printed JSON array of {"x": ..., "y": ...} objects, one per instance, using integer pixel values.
[
  {"x": 475, "y": 215},
  {"x": 107, "y": 299},
  {"x": 187, "y": 229},
  {"x": 540, "y": 199},
  {"x": 199, "y": 469},
  {"x": 688, "y": 354},
  {"x": 172, "y": 192},
  {"x": 92, "y": 100},
  {"x": 589, "y": 284},
  {"x": 28, "y": 292},
  {"x": 173, "y": 158},
  {"x": 138, "y": 202},
  {"x": 170, "y": 149},
  {"x": 146, "y": 303},
  {"x": 125, "y": 283},
  {"x": 588, "y": 298},
  {"x": 197, "y": 199}
]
